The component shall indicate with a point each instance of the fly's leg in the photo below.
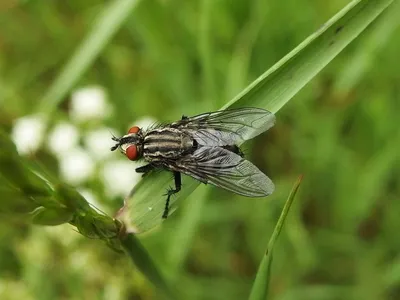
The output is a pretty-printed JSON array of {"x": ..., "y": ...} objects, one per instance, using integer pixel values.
[
  {"x": 178, "y": 185},
  {"x": 145, "y": 169}
]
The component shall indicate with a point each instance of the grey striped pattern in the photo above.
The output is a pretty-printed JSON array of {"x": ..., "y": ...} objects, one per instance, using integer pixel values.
[{"x": 165, "y": 143}]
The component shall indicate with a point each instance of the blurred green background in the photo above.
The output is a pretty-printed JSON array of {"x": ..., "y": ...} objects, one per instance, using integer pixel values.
[{"x": 341, "y": 240}]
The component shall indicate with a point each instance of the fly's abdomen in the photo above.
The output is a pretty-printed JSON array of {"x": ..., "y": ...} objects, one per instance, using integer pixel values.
[{"x": 166, "y": 143}]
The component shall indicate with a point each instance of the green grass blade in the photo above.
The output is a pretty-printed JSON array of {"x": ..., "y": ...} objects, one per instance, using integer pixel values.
[
  {"x": 183, "y": 235},
  {"x": 107, "y": 24},
  {"x": 261, "y": 283},
  {"x": 366, "y": 55},
  {"x": 272, "y": 90},
  {"x": 143, "y": 262},
  {"x": 145, "y": 204},
  {"x": 205, "y": 50},
  {"x": 279, "y": 84}
]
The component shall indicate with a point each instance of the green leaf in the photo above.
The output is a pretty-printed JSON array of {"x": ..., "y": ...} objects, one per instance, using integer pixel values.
[
  {"x": 180, "y": 242},
  {"x": 29, "y": 197},
  {"x": 14, "y": 204},
  {"x": 96, "y": 226},
  {"x": 366, "y": 53},
  {"x": 143, "y": 262},
  {"x": 50, "y": 216},
  {"x": 7, "y": 147},
  {"x": 261, "y": 283},
  {"x": 272, "y": 90},
  {"x": 71, "y": 198},
  {"x": 147, "y": 208},
  {"x": 279, "y": 84},
  {"x": 16, "y": 171}
]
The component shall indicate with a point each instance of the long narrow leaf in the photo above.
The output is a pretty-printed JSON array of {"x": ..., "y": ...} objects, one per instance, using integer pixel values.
[
  {"x": 279, "y": 84},
  {"x": 143, "y": 262},
  {"x": 261, "y": 283},
  {"x": 272, "y": 90}
]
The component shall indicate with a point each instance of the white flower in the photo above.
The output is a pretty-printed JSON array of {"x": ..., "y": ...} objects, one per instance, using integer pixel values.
[
  {"x": 76, "y": 166},
  {"x": 28, "y": 132},
  {"x": 62, "y": 138},
  {"x": 89, "y": 103},
  {"x": 98, "y": 142},
  {"x": 120, "y": 177}
]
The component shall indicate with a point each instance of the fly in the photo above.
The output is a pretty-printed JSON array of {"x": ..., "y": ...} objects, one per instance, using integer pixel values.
[{"x": 205, "y": 147}]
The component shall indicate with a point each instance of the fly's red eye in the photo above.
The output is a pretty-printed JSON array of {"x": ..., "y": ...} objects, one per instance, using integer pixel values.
[
  {"x": 134, "y": 129},
  {"x": 131, "y": 152}
]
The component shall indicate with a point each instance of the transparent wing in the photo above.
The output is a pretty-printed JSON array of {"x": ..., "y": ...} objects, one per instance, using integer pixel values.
[
  {"x": 227, "y": 170},
  {"x": 227, "y": 127}
]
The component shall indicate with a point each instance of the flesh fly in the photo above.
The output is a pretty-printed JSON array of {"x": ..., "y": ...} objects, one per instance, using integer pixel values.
[{"x": 205, "y": 147}]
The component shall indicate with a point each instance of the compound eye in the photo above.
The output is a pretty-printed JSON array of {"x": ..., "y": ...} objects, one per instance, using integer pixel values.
[
  {"x": 134, "y": 129},
  {"x": 132, "y": 152}
]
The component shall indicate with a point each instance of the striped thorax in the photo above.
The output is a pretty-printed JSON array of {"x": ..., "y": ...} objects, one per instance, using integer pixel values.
[
  {"x": 155, "y": 145},
  {"x": 166, "y": 143}
]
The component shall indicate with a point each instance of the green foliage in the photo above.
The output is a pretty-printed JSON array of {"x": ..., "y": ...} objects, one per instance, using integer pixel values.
[
  {"x": 273, "y": 89},
  {"x": 43, "y": 202},
  {"x": 263, "y": 278},
  {"x": 163, "y": 59}
]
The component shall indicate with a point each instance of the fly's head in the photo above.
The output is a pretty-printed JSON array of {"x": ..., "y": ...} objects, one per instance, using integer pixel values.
[{"x": 130, "y": 144}]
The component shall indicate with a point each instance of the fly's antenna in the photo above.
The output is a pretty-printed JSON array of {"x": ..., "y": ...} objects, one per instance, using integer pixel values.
[
  {"x": 114, "y": 138},
  {"x": 113, "y": 148}
]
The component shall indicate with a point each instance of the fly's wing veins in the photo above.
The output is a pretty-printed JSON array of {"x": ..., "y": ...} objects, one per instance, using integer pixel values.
[
  {"x": 227, "y": 127},
  {"x": 227, "y": 170}
]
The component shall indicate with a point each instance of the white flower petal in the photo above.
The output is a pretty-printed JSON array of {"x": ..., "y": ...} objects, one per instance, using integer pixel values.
[
  {"x": 27, "y": 133},
  {"x": 89, "y": 103},
  {"x": 99, "y": 142},
  {"x": 62, "y": 138},
  {"x": 120, "y": 177},
  {"x": 76, "y": 166}
]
